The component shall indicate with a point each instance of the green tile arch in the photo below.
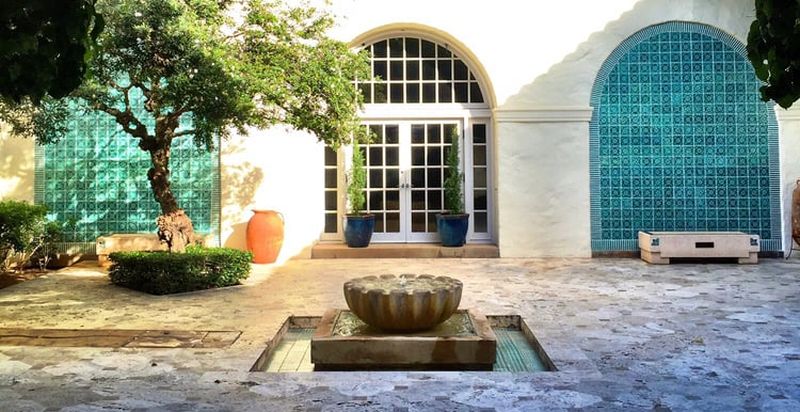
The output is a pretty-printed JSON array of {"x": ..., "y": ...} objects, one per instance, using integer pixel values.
[
  {"x": 98, "y": 176},
  {"x": 710, "y": 132}
]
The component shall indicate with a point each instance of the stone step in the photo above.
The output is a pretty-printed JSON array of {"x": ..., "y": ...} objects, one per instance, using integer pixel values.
[{"x": 403, "y": 250}]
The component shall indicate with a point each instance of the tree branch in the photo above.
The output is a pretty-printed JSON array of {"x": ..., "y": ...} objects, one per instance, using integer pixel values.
[
  {"x": 184, "y": 133},
  {"x": 130, "y": 124}
]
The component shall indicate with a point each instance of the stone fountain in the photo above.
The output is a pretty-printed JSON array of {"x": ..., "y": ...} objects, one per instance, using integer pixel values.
[{"x": 403, "y": 322}]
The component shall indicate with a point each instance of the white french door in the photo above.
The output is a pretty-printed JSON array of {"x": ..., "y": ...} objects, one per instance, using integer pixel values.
[{"x": 406, "y": 168}]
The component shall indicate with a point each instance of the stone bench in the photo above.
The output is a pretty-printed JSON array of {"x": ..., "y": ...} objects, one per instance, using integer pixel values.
[
  {"x": 130, "y": 242},
  {"x": 659, "y": 247}
]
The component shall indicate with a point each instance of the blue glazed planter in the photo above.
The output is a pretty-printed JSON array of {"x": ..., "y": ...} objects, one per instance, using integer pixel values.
[
  {"x": 358, "y": 230},
  {"x": 453, "y": 229}
]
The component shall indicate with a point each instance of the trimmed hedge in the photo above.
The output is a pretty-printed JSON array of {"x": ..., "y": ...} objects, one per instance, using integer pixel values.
[{"x": 162, "y": 273}]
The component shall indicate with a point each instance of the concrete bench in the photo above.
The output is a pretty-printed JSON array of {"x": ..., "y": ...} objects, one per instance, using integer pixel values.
[
  {"x": 130, "y": 242},
  {"x": 659, "y": 247}
]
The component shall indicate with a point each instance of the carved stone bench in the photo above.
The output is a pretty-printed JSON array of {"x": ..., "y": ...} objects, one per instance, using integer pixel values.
[
  {"x": 659, "y": 247},
  {"x": 130, "y": 242}
]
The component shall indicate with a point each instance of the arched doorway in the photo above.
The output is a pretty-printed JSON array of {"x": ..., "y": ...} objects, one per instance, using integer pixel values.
[
  {"x": 680, "y": 140},
  {"x": 423, "y": 93}
]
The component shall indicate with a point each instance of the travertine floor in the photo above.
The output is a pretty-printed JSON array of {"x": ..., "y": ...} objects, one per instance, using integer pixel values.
[{"x": 626, "y": 336}]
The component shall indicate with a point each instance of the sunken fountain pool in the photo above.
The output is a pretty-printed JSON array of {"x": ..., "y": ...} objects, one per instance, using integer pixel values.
[{"x": 406, "y": 322}]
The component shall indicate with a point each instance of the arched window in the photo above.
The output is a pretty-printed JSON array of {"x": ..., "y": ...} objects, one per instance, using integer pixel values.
[
  {"x": 680, "y": 140},
  {"x": 421, "y": 95}
]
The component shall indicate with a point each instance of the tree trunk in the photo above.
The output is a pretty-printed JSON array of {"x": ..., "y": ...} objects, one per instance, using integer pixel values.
[{"x": 175, "y": 228}]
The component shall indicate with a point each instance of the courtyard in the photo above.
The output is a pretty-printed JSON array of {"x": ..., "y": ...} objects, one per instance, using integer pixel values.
[{"x": 623, "y": 334}]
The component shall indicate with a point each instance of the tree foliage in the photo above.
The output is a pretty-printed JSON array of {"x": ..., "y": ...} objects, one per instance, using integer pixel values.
[
  {"x": 218, "y": 65},
  {"x": 357, "y": 180},
  {"x": 773, "y": 47},
  {"x": 44, "y": 47}
]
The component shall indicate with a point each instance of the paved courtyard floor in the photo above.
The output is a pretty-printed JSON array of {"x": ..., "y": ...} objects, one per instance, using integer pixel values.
[{"x": 624, "y": 335}]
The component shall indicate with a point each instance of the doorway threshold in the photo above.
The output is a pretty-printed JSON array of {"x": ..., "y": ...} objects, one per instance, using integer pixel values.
[{"x": 403, "y": 250}]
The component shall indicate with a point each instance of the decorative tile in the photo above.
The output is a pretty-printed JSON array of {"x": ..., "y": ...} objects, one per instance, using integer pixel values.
[
  {"x": 680, "y": 140},
  {"x": 98, "y": 176}
]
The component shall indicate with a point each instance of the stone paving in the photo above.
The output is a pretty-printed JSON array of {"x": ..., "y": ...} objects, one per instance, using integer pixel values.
[{"x": 625, "y": 335}]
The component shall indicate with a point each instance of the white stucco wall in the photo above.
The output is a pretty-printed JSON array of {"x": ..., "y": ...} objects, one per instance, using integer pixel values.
[{"x": 16, "y": 167}]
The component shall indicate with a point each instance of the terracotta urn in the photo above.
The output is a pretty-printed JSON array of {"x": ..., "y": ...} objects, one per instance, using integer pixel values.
[
  {"x": 404, "y": 303},
  {"x": 796, "y": 213},
  {"x": 265, "y": 235}
]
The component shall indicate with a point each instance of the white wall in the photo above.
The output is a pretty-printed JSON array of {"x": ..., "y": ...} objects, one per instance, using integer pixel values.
[{"x": 16, "y": 167}]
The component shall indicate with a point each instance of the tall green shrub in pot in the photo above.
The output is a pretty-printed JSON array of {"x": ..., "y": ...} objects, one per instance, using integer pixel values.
[
  {"x": 454, "y": 223},
  {"x": 359, "y": 225}
]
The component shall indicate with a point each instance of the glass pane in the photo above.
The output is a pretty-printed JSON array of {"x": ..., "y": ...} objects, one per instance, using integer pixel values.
[
  {"x": 418, "y": 222},
  {"x": 396, "y": 70},
  {"x": 392, "y": 133},
  {"x": 434, "y": 177},
  {"x": 380, "y": 93},
  {"x": 379, "y": 49},
  {"x": 376, "y": 200},
  {"x": 480, "y": 200},
  {"x": 376, "y": 133},
  {"x": 475, "y": 95},
  {"x": 417, "y": 156},
  {"x": 330, "y": 223},
  {"x": 392, "y": 156},
  {"x": 392, "y": 200},
  {"x": 434, "y": 156},
  {"x": 392, "y": 222},
  {"x": 412, "y": 47},
  {"x": 366, "y": 91},
  {"x": 432, "y": 222},
  {"x": 412, "y": 93},
  {"x": 330, "y": 156},
  {"x": 417, "y": 133},
  {"x": 428, "y": 49},
  {"x": 392, "y": 178},
  {"x": 397, "y": 92},
  {"x": 460, "y": 71},
  {"x": 418, "y": 199},
  {"x": 445, "y": 70},
  {"x": 330, "y": 177},
  {"x": 479, "y": 155},
  {"x": 428, "y": 70},
  {"x": 379, "y": 222},
  {"x": 376, "y": 156},
  {"x": 449, "y": 130},
  {"x": 330, "y": 200},
  {"x": 429, "y": 92},
  {"x": 462, "y": 93},
  {"x": 379, "y": 69},
  {"x": 418, "y": 177},
  {"x": 443, "y": 52},
  {"x": 412, "y": 70},
  {"x": 445, "y": 92},
  {"x": 434, "y": 200},
  {"x": 434, "y": 135},
  {"x": 478, "y": 133},
  {"x": 396, "y": 47},
  {"x": 375, "y": 178},
  {"x": 480, "y": 176},
  {"x": 480, "y": 222}
]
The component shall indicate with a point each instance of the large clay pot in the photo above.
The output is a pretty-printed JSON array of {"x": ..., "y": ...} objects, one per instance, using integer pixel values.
[
  {"x": 796, "y": 213},
  {"x": 265, "y": 235},
  {"x": 358, "y": 230}
]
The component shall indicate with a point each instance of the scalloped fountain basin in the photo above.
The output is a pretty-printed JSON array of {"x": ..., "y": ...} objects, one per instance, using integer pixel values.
[{"x": 403, "y": 303}]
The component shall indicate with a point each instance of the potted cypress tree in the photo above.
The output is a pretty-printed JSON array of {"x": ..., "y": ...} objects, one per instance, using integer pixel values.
[
  {"x": 359, "y": 225},
  {"x": 453, "y": 223}
]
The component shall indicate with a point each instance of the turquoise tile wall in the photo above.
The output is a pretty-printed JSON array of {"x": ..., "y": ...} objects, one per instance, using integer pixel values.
[
  {"x": 98, "y": 176},
  {"x": 681, "y": 141}
]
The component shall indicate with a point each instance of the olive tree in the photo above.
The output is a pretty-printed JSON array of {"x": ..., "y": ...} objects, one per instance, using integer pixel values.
[
  {"x": 773, "y": 47},
  {"x": 219, "y": 66}
]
